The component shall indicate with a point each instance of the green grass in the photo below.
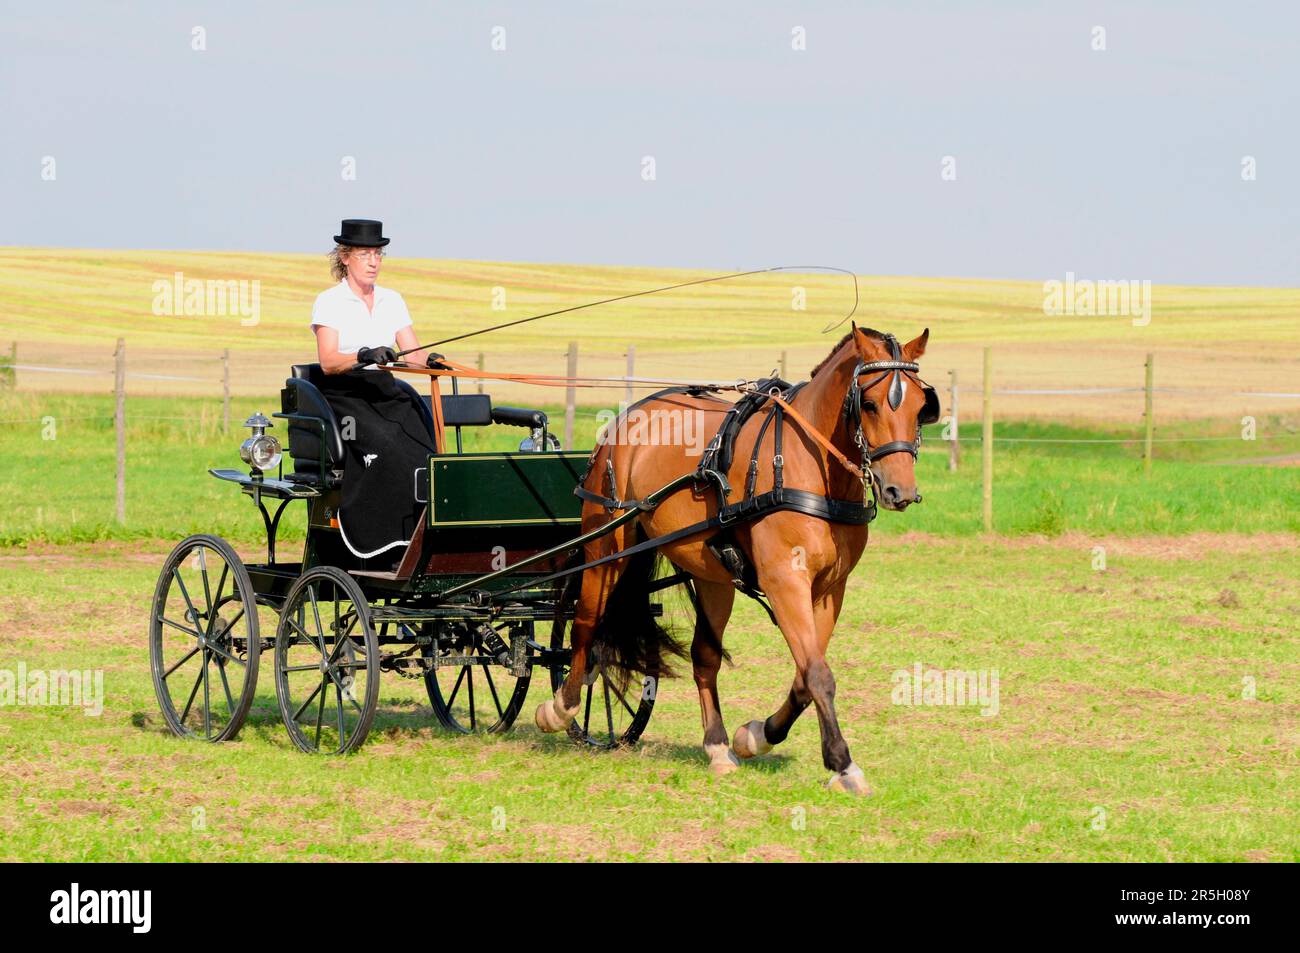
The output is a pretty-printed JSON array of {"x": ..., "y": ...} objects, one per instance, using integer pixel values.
[
  {"x": 1119, "y": 690},
  {"x": 62, "y": 490}
]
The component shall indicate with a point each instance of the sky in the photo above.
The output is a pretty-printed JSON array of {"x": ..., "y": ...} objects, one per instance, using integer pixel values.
[{"x": 1136, "y": 140}]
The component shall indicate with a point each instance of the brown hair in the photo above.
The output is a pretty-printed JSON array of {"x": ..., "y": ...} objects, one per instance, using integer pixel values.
[{"x": 338, "y": 267}]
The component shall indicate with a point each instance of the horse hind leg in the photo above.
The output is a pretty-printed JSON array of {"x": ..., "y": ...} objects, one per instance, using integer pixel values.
[
  {"x": 557, "y": 713},
  {"x": 713, "y": 602}
]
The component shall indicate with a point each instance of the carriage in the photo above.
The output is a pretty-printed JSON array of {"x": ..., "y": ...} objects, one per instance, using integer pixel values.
[{"x": 472, "y": 608}]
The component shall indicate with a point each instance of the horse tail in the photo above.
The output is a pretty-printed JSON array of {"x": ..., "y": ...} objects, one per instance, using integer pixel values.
[{"x": 627, "y": 636}]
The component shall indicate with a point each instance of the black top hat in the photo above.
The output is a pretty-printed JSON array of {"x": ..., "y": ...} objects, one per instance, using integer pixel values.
[{"x": 362, "y": 233}]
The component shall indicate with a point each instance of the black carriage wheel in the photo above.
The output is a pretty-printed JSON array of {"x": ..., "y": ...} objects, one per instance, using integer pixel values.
[
  {"x": 479, "y": 695},
  {"x": 608, "y": 717},
  {"x": 204, "y": 643},
  {"x": 326, "y": 663}
]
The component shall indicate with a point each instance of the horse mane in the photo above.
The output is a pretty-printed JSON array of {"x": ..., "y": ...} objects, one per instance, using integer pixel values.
[{"x": 869, "y": 332}]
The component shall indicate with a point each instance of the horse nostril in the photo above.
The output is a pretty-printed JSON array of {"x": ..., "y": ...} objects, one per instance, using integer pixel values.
[{"x": 891, "y": 494}]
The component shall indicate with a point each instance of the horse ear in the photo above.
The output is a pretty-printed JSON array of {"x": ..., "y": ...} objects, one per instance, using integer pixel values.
[
  {"x": 914, "y": 348},
  {"x": 859, "y": 340}
]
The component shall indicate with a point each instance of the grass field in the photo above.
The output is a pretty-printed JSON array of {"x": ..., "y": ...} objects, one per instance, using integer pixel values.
[
  {"x": 1147, "y": 710},
  {"x": 1122, "y": 732}
]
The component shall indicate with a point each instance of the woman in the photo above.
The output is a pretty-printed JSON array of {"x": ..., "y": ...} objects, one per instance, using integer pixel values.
[
  {"x": 356, "y": 322},
  {"x": 385, "y": 436}
]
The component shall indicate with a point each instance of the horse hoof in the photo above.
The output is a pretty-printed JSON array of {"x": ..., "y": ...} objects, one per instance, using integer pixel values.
[
  {"x": 851, "y": 781},
  {"x": 549, "y": 720},
  {"x": 749, "y": 740},
  {"x": 722, "y": 762}
]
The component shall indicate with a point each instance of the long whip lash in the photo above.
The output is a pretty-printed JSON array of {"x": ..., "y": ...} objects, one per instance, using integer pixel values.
[{"x": 651, "y": 291}]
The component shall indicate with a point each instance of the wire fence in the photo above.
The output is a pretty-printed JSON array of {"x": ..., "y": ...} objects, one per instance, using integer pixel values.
[{"x": 634, "y": 379}]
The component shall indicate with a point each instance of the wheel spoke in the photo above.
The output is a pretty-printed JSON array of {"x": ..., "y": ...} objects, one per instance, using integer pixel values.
[
  {"x": 623, "y": 701},
  {"x": 586, "y": 715},
  {"x": 207, "y": 701},
  {"x": 193, "y": 691},
  {"x": 194, "y": 632},
  {"x": 338, "y": 692},
  {"x": 176, "y": 574},
  {"x": 225, "y": 683},
  {"x": 455, "y": 688},
  {"x": 609, "y": 713},
  {"x": 235, "y": 618},
  {"x": 473, "y": 726},
  {"x": 320, "y": 630},
  {"x": 320, "y": 712},
  {"x": 303, "y": 706},
  {"x": 221, "y": 585},
  {"x": 501, "y": 713},
  {"x": 224, "y": 654},
  {"x": 207, "y": 588},
  {"x": 189, "y": 655}
]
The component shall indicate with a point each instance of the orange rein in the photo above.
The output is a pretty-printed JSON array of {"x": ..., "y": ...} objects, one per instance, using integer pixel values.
[{"x": 554, "y": 380}]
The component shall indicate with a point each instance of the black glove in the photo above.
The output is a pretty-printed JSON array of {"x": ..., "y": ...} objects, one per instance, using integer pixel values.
[
  {"x": 376, "y": 355},
  {"x": 435, "y": 362}
]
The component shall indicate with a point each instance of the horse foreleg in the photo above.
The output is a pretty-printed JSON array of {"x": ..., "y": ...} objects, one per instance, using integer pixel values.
[
  {"x": 713, "y": 608},
  {"x": 807, "y": 628},
  {"x": 759, "y": 737}
]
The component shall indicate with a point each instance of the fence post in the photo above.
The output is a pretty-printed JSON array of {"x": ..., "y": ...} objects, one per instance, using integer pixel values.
[
  {"x": 987, "y": 443},
  {"x": 783, "y": 377},
  {"x": 570, "y": 396},
  {"x": 954, "y": 448},
  {"x": 9, "y": 373},
  {"x": 225, "y": 391},
  {"x": 479, "y": 365},
  {"x": 631, "y": 371},
  {"x": 1150, "y": 418},
  {"x": 119, "y": 425}
]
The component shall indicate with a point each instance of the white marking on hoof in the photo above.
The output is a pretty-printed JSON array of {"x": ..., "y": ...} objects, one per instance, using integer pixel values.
[
  {"x": 552, "y": 717},
  {"x": 722, "y": 760},
  {"x": 851, "y": 781},
  {"x": 750, "y": 741}
]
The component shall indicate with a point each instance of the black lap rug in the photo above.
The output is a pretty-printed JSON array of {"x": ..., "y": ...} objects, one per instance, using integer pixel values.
[{"x": 385, "y": 440}]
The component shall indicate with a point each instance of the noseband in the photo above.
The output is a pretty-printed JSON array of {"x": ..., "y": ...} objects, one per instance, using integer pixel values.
[{"x": 895, "y": 367}]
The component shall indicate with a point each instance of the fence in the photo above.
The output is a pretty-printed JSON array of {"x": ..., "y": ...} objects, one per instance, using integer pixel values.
[{"x": 629, "y": 381}]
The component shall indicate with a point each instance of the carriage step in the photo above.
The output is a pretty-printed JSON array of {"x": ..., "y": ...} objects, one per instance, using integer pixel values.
[{"x": 376, "y": 574}]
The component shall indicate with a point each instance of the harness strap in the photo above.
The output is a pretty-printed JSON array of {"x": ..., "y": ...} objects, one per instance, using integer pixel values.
[
  {"x": 797, "y": 501},
  {"x": 820, "y": 438}
]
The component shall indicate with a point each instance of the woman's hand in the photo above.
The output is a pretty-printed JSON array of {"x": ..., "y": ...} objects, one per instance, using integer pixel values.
[{"x": 376, "y": 355}]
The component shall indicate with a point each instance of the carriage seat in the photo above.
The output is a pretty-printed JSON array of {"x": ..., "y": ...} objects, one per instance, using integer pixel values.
[
  {"x": 311, "y": 443},
  {"x": 307, "y": 439}
]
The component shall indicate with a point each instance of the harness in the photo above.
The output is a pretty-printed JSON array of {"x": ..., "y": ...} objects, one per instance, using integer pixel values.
[{"x": 717, "y": 458}]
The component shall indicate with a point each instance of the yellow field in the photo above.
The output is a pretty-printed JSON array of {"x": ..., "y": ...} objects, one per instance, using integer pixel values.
[{"x": 67, "y": 307}]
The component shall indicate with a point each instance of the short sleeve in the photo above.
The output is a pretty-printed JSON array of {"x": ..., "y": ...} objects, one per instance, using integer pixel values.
[{"x": 320, "y": 314}]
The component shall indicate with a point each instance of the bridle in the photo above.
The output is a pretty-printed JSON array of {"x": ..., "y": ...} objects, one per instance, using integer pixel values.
[{"x": 894, "y": 368}]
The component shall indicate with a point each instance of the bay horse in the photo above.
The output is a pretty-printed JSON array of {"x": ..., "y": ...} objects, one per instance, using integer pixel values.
[{"x": 802, "y": 562}]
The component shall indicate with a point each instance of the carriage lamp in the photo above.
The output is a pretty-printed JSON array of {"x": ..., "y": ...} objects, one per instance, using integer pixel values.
[{"x": 261, "y": 451}]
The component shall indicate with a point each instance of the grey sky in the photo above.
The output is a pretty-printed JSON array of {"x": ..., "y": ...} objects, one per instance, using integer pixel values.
[{"x": 1117, "y": 164}]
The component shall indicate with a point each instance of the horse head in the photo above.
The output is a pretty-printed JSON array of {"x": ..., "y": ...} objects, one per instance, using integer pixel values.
[{"x": 884, "y": 408}]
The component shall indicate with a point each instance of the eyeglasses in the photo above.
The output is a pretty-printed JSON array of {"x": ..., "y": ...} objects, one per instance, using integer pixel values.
[{"x": 369, "y": 254}]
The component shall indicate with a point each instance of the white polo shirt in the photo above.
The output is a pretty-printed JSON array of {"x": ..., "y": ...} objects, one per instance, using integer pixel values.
[{"x": 358, "y": 326}]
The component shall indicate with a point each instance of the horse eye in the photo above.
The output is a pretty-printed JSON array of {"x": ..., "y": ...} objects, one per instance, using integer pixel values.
[{"x": 869, "y": 406}]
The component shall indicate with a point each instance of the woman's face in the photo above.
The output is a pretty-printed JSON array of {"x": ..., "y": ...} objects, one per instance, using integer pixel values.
[{"x": 363, "y": 264}]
